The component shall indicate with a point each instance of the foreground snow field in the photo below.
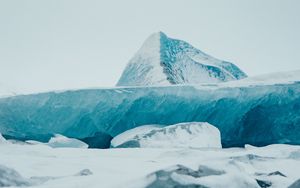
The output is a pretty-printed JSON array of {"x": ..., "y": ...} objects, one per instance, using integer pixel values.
[{"x": 43, "y": 166}]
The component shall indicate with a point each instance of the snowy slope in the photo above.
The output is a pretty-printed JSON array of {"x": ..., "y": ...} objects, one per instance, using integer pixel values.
[
  {"x": 44, "y": 167},
  {"x": 165, "y": 61},
  {"x": 182, "y": 135}
]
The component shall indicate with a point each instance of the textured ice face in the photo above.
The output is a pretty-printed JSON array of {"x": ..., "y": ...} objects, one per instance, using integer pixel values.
[
  {"x": 245, "y": 113},
  {"x": 165, "y": 61},
  {"x": 182, "y": 135}
]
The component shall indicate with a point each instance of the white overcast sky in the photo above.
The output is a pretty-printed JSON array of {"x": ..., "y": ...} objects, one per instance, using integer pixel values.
[{"x": 60, "y": 44}]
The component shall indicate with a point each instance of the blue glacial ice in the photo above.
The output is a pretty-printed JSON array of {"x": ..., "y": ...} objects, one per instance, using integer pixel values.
[{"x": 244, "y": 114}]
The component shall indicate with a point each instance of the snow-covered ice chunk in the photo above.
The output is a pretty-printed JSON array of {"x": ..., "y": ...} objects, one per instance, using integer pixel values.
[
  {"x": 10, "y": 177},
  {"x": 84, "y": 172},
  {"x": 165, "y": 178},
  {"x": 33, "y": 142},
  {"x": 182, "y": 135},
  {"x": 203, "y": 177},
  {"x": 130, "y": 134},
  {"x": 296, "y": 184},
  {"x": 60, "y": 141},
  {"x": 2, "y": 139}
]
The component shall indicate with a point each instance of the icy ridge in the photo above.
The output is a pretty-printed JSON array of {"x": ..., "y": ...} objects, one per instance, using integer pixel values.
[{"x": 166, "y": 61}]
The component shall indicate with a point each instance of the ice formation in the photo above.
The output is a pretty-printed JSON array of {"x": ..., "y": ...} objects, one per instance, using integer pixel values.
[
  {"x": 166, "y": 61},
  {"x": 132, "y": 133},
  {"x": 39, "y": 166},
  {"x": 2, "y": 139},
  {"x": 60, "y": 141},
  {"x": 245, "y": 112},
  {"x": 182, "y": 135},
  {"x": 10, "y": 177}
]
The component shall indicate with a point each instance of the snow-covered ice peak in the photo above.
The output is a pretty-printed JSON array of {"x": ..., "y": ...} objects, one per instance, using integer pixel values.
[
  {"x": 165, "y": 61},
  {"x": 152, "y": 45}
]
